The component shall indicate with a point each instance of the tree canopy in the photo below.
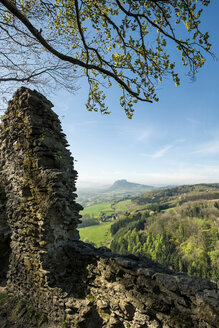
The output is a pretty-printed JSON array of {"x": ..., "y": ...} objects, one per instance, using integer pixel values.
[{"x": 127, "y": 42}]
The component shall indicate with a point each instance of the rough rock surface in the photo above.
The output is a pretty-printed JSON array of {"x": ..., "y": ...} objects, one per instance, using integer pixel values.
[
  {"x": 73, "y": 283},
  {"x": 5, "y": 233}
]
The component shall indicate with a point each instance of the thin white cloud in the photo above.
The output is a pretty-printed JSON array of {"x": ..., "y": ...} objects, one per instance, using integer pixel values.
[
  {"x": 185, "y": 174},
  {"x": 160, "y": 153},
  {"x": 145, "y": 135},
  {"x": 136, "y": 133},
  {"x": 211, "y": 147}
]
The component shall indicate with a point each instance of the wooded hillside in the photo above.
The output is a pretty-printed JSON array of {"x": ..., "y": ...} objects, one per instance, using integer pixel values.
[{"x": 184, "y": 237}]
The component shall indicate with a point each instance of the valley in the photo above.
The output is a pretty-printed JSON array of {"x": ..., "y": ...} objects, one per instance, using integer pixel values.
[{"x": 178, "y": 227}]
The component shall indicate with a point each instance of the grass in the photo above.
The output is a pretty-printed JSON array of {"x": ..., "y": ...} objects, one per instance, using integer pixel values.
[
  {"x": 128, "y": 206},
  {"x": 123, "y": 205},
  {"x": 99, "y": 234},
  {"x": 110, "y": 208},
  {"x": 95, "y": 210}
]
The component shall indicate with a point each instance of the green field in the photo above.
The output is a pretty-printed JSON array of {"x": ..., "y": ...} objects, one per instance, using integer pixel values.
[
  {"x": 95, "y": 210},
  {"x": 110, "y": 208},
  {"x": 98, "y": 234},
  {"x": 127, "y": 205}
]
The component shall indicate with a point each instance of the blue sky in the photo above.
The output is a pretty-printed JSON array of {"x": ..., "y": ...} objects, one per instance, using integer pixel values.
[{"x": 175, "y": 141}]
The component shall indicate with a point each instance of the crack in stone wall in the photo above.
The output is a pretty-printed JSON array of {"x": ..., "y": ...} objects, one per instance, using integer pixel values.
[{"x": 70, "y": 281}]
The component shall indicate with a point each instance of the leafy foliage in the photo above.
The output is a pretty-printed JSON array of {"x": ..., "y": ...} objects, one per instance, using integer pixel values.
[
  {"x": 123, "y": 41},
  {"x": 185, "y": 238}
]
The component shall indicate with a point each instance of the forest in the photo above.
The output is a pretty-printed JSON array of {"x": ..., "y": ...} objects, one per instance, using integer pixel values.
[{"x": 178, "y": 227}]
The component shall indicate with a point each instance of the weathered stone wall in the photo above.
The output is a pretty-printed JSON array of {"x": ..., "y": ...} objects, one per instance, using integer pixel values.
[
  {"x": 5, "y": 234},
  {"x": 75, "y": 284},
  {"x": 39, "y": 183}
]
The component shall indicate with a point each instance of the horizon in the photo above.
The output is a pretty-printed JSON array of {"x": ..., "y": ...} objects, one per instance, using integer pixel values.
[{"x": 101, "y": 185}]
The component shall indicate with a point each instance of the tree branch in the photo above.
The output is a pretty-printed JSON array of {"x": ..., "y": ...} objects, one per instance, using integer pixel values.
[
  {"x": 37, "y": 34},
  {"x": 24, "y": 79}
]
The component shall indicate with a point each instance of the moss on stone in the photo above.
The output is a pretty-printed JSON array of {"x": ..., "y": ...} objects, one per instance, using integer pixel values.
[
  {"x": 42, "y": 319},
  {"x": 90, "y": 297},
  {"x": 103, "y": 314},
  {"x": 3, "y": 299}
]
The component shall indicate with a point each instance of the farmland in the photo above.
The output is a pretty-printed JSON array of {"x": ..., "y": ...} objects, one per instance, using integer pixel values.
[{"x": 97, "y": 234}]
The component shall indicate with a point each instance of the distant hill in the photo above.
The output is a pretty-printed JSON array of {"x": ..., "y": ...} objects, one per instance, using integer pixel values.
[
  {"x": 170, "y": 197},
  {"x": 120, "y": 189},
  {"x": 125, "y": 186}
]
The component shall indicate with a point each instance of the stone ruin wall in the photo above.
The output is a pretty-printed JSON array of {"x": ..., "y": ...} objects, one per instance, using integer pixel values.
[
  {"x": 39, "y": 181},
  {"x": 5, "y": 234},
  {"x": 72, "y": 282}
]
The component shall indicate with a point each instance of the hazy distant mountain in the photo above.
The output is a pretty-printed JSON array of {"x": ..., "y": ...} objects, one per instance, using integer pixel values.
[
  {"x": 126, "y": 186},
  {"x": 119, "y": 189}
]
